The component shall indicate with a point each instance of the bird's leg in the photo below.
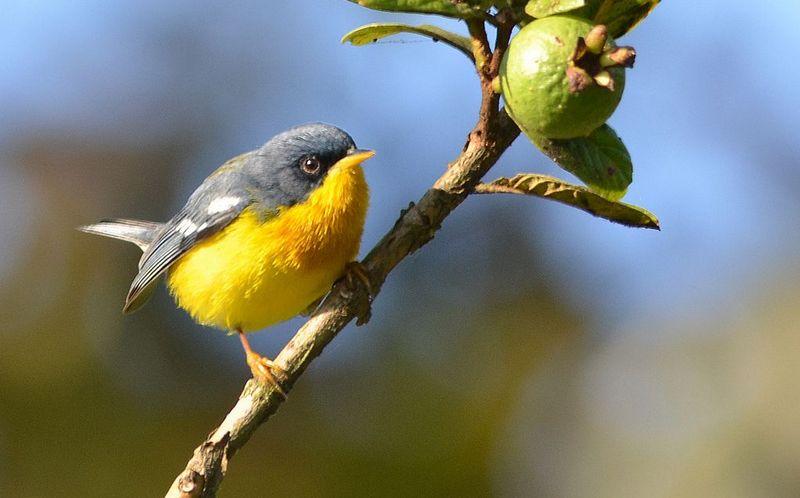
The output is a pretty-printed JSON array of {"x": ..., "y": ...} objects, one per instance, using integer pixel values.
[
  {"x": 263, "y": 368},
  {"x": 356, "y": 271}
]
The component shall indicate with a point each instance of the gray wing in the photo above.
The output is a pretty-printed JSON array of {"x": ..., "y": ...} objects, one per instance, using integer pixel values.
[{"x": 215, "y": 204}]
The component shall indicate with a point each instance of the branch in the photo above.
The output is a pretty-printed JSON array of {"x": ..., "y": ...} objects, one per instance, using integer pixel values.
[{"x": 491, "y": 136}]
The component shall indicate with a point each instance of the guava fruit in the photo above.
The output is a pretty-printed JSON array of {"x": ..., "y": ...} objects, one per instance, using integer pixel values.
[{"x": 562, "y": 77}]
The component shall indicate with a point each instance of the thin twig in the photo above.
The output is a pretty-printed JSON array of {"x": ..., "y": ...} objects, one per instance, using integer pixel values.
[{"x": 491, "y": 136}]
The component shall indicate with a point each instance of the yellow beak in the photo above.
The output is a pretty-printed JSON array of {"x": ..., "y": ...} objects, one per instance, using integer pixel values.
[{"x": 354, "y": 157}]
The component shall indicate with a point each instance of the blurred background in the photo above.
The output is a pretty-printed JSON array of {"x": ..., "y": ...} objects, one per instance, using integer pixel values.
[{"x": 529, "y": 350}]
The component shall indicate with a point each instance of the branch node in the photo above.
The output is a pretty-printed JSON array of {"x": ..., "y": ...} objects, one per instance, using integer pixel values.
[{"x": 190, "y": 484}]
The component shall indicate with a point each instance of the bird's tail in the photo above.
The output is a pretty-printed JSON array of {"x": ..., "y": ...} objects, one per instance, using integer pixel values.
[{"x": 138, "y": 232}]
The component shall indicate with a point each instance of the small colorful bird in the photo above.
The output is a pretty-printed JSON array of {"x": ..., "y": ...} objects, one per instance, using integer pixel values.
[{"x": 262, "y": 239}]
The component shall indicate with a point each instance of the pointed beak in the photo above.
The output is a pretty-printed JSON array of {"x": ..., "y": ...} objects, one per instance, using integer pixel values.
[
  {"x": 355, "y": 156},
  {"x": 361, "y": 152}
]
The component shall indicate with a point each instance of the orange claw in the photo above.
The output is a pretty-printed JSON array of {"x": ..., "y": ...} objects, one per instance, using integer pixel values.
[
  {"x": 263, "y": 368},
  {"x": 355, "y": 270}
]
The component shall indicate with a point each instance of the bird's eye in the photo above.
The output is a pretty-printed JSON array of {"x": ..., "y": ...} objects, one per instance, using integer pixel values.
[{"x": 310, "y": 165}]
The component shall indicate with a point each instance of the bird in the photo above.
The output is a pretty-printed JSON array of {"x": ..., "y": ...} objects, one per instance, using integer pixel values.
[{"x": 261, "y": 240}]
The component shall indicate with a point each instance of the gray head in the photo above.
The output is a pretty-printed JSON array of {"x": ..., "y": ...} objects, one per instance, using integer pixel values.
[{"x": 293, "y": 163}]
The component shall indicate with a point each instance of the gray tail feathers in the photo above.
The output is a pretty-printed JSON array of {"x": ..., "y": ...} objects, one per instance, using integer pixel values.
[
  {"x": 141, "y": 233},
  {"x": 138, "y": 232}
]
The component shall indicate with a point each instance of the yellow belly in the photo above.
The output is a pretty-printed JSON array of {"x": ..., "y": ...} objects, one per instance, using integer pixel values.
[{"x": 255, "y": 273}]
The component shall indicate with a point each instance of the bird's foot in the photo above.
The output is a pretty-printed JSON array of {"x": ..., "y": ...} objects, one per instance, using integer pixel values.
[
  {"x": 356, "y": 272},
  {"x": 263, "y": 369}
]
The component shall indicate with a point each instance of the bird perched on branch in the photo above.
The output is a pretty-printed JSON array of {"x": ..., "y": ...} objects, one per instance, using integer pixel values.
[{"x": 262, "y": 239}]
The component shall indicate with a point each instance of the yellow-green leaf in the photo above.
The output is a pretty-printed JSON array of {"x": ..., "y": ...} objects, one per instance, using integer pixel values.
[
  {"x": 544, "y": 8},
  {"x": 620, "y": 16},
  {"x": 600, "y": 160},
  {"x": 373, "y": 32},
  {"x": 557, "y": 190},
  {"x": 464, "y": 9}
]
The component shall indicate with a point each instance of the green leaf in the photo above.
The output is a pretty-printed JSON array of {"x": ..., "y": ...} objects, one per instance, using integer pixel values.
[
  {"x": 600, "y": 160},
  {"x": 557, "y": 190},
  {"x": 620, "y": 16},
  {"x": 373, "y": 32},
  {"x": 544, "y": 8},
  {"x": 463, "y": 9}
]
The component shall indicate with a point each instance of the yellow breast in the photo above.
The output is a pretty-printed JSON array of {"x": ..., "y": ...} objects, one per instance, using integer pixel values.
[{"x": 255, "y": 273}]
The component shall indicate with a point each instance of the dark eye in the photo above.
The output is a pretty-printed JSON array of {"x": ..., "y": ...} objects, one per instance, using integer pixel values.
[{"x": 310, "y": 165}]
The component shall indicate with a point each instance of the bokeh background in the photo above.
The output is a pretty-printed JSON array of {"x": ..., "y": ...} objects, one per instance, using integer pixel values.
[{"x": 529, "y": 350}]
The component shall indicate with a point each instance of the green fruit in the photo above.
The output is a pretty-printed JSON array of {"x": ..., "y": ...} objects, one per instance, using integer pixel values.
[{"x": 562, "y": 77}]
